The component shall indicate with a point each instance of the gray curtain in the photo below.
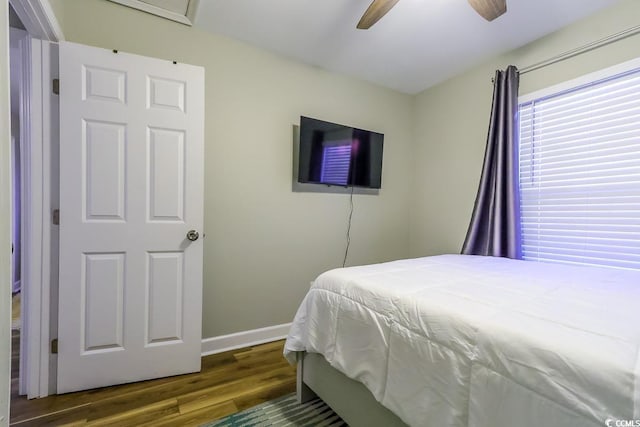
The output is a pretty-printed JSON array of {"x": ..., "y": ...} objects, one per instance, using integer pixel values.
[{"x": 495, "y": 224}]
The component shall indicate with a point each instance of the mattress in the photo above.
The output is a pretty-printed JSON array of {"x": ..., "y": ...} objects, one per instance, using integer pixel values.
[{"x": 457, "y": 340}]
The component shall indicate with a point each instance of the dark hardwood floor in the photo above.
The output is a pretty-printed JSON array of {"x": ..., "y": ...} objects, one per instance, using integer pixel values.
[{"x": 229, "y": 382}]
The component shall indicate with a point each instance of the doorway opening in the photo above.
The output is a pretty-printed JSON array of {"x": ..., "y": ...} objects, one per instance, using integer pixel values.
[
  {"x": 17, "y": 36},
  {"x": 33, "y": 64}
]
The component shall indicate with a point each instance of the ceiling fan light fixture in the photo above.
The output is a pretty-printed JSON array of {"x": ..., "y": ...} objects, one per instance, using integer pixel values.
[
  {"x": 376, "y": 10},
  {"x": 489, "y": 9}
]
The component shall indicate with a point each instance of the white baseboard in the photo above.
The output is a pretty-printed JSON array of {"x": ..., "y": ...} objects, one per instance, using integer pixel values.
[{"x": 244, "y": 339}]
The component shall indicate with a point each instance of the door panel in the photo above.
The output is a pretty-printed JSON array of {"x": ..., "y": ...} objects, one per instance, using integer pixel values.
[
  {"x": 165, "y": 287},
  {"x": 103, "y": 304},
  {"x": 131, "y": 187},
  {"x": 166, "y": 168},
  {"x": 103, "y": 170}
]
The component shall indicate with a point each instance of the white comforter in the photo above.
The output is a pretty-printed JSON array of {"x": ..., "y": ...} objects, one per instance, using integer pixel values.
[{"x": 458, "y": 340}]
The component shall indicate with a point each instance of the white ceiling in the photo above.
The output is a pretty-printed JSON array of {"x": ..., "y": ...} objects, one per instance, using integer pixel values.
[{"x": 416, "y": 45}]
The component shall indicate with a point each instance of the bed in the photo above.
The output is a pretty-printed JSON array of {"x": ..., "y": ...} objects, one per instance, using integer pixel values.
[{"x": 457, "y": 340}]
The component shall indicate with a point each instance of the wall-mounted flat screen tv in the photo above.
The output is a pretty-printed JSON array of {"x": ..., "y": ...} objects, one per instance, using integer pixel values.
[{"x": 334, "y": 154}]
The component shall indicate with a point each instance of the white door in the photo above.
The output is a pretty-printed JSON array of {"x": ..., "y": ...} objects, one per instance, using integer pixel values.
[{"x": 131, "y": 188}]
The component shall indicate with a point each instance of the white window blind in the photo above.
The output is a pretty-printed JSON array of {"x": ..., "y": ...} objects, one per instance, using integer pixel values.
[{"x": 580, "y": 174}]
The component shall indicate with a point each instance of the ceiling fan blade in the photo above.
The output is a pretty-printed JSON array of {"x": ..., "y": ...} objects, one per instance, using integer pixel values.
[
  {"x": 376, "y": 10},
  {"x": 489, "y": 9}
]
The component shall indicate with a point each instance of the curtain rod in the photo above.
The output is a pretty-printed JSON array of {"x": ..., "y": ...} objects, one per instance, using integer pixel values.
[{"x": 583, "y": 49}]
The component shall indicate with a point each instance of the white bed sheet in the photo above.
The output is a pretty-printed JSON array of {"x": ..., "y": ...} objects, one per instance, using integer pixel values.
[{"x": 458, "y": 340}]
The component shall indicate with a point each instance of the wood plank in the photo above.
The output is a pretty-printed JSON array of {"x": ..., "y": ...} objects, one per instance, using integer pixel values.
[
  {"x": 232, "y": 390},
  {"x": 76, "y": 416},
  {"x": 262, "y": 348},
  {"x": 21, "y": 407},
  {"x": 196, "y": 418},
  {"x": 227, "y": 382},
  {"x": 256, "y": 397},
  {"x": 270, "y": 353},
  {"x": 15, "y": 355},
  {"x": 140, "y": 415},
  {"x": 130, "y": 400}
]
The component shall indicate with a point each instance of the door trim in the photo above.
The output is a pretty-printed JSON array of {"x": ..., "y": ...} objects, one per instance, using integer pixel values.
[
  {"x": 36, "y": 376},
  {"x": 38, "y": 18},
  {"x": 37, "y": 141}
]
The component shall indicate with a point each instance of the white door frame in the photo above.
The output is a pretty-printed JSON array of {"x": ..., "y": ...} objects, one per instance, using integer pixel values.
[
  {"x": 38, "y": 19},
  {"x": 37, "y": 134}
]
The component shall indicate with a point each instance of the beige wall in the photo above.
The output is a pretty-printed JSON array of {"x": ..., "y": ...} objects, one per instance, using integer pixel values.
[
  {"x": 265, "y": 243},
  {"x": 451, "y": 122},
  {"x": 5, "y": 218}
]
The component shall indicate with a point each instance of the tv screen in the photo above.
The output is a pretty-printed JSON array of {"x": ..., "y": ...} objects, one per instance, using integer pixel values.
[{"x": 334, "y": 154}]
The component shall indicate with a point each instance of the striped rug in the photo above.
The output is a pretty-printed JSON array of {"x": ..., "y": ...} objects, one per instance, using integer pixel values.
[{"x": 281, "y": 412}]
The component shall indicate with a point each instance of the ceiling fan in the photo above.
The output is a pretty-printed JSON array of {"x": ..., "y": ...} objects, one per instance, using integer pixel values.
[{"x": 488, "y": 9}]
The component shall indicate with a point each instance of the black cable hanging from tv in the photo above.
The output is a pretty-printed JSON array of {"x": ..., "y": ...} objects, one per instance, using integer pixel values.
[{"x": 346, "y": 251}]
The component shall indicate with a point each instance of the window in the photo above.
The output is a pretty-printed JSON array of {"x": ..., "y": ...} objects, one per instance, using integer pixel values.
[
  {"x": 580, "y": 170},
  {"x": 335, "y": 163}
]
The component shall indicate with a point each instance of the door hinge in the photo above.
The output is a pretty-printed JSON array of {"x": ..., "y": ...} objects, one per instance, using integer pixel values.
[
  {"x": 54, "y": 346},
  {"x": 55, "y": 217},
  {"x": 56, "y": 86}
]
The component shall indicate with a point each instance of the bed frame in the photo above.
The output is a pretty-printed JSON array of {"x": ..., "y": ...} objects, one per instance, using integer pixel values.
[{"x": 348, "y": 398}]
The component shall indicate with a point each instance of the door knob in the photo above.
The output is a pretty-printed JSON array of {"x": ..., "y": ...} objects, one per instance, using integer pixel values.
[{"x": 192, "y": 235}]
